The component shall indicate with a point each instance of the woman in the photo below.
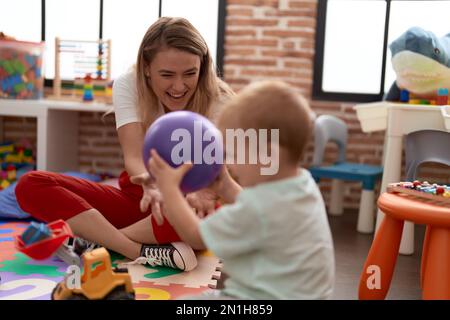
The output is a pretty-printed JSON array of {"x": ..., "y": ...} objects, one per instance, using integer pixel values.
[{"x": 174, "y": 71}]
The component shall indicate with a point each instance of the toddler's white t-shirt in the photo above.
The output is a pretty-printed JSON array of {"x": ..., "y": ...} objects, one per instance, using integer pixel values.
[{"x": 275, "y": 241}]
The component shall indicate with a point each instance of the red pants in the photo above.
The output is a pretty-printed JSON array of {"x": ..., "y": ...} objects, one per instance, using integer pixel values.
[{"x": 49, "y": 196}]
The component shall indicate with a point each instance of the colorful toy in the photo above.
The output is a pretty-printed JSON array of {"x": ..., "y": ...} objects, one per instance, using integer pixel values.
[
  {"x": 88, "y": 57},
  {"x": 420, "y": 61},
  {"x": 159, "y": 137},
  {"x": 6, "y": 147},
  {"x": 20, "y": 69},
  {"x": 87, "y": 94},
  {"x": 404, "y": 95},
  {"x": 36, "y": 232},
  {"x": 99, "y": 281},
  {"x": 435, "y": 192},
  {"x": 442, "y": 97},
  {"x": 422, "y": 102},
  {"x": 11, "y": 172},
  {"x": 40, "y": 241},
  {"x": 12, "y": 158},
  {"x": 4, "y": 184}
]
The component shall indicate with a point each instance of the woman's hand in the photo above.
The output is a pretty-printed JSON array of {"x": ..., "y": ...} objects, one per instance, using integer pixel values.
[
  {"x": 203, "y": 201},
  {"x": 150, "y": 197}
]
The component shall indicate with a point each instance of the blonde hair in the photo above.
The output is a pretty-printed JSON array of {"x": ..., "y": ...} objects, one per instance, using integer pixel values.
[
  {"x": 180, "y": 34},
  {"x": 272, "y": 105}
]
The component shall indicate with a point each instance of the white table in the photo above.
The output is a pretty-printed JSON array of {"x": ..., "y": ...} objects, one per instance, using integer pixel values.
[
  {"x": 57, "y": 129},
  {"x": 398, "y": 120}
]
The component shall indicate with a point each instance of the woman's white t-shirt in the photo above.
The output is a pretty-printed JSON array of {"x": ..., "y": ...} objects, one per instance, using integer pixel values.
[{"x": 125, "y": 99}]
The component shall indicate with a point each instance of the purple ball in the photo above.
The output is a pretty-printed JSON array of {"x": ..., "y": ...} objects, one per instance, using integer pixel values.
[{"x": 182, "y": 136}]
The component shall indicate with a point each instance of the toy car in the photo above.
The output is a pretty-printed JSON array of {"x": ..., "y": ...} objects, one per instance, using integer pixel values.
[{"x": 98, "y": 282}]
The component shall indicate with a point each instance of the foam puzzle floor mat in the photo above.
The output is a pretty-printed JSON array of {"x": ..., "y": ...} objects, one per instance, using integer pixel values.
[{"x": 23, "y": 278}]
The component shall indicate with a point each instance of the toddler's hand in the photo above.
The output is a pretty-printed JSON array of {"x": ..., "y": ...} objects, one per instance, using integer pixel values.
[{"x": 167, "y": 178}]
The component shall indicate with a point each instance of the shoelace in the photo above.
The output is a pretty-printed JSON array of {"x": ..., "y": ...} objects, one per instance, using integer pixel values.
[
  {"x": 154, "y": 257},
  {"x": 159, "y": 256}
]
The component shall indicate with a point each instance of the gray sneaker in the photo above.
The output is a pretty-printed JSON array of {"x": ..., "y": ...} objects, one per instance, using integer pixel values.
[
  {"x": 81, "y": 246},
  {"x": 67, "y": 255}
]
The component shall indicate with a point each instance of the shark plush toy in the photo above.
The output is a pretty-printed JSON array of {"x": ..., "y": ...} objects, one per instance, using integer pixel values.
[{"x": 421, "y": 62}]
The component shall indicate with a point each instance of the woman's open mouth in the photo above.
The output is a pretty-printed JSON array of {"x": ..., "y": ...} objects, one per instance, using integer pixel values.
[{"x": 176, "y": 96}]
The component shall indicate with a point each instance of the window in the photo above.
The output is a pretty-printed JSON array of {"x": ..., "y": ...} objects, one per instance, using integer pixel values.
[
  {"x": 27, "y": 25},
  {"x": 432, "y": 16},
  {"x": 122, "y": 21},
  {"x": 126, "y": 25},
  {"x": 69, "y": 20},
  {"x": 363, "y": 57},
  {"x": 352, "y": 61},
  {"x": 208, "y": 28}
]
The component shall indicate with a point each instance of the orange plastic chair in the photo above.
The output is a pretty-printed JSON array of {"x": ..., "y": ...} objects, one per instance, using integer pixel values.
[{"x": 435, "y": 264}]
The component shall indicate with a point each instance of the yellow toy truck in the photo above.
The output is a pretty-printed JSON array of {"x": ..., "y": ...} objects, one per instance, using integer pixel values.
[{"x": 98, "y": 282}]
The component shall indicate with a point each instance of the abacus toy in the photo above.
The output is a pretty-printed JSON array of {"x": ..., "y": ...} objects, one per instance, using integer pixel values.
[
  {"x": 83, "y": 60},
  {"x": 424, "y": 190}
]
